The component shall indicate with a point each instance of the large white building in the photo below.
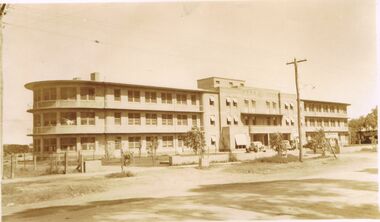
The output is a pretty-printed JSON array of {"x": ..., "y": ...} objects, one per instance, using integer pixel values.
[{"x": 95, "y": 116}]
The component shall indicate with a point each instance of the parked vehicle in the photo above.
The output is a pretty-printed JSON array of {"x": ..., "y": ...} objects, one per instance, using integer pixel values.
[{"x": 256, "y": 146}]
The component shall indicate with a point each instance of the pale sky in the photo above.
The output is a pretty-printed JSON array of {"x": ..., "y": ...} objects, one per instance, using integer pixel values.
[{"x": 174, "y": 44}]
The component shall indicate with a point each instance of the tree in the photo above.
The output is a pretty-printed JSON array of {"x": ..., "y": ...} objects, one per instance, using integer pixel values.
[
  {"x": 363, "y": 123},
  {"x": 276, "y": 143},
  {"x": 320, "y": 141},
  {"x": 153, "y": 145},
  {"x": 195, "y": 139}
]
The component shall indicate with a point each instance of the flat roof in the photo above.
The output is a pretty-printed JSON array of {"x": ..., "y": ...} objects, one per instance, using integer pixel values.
[
  {"x": 215, "y": 77},
  {"x": 32, "y": 85},
  {"x": 323, "y": 101}
]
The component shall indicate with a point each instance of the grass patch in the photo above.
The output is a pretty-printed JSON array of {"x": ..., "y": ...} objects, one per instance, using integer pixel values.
[
  {"x": 369, "y": 149},
  {"x": 277, "y": 159},
  {"x": 121, "y": 174}
]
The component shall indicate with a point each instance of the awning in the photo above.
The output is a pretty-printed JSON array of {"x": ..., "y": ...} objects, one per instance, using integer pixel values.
[
  {"x": 291, "y": 105},
  {"x": 212, "y": 118},
  {"x": 229, "y": 119},
  {"x": 241, "y": 140},
  {"x": 286, "y": 104},
  {"x": 228, "y": 100},
  {"x": 234, "y": 100},
  {"x": 212, "y": 99},
  {"x": 213, "y": 139},
  {"x": 287, "y": 120},
  {"x": 236, "y": 119},
  {"x": 246, "y": 100}
]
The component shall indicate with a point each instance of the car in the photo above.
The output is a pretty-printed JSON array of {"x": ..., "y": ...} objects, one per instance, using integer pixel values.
[{"x": 256, "y": 146}]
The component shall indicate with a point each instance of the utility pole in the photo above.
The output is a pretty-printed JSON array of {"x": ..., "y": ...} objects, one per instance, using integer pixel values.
[
  {"x": 2, "y": 12},
  {"x": 295, "y": 62}
]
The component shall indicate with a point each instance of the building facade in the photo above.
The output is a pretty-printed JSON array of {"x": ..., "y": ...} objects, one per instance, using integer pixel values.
[{"x": 103, "y": 117}]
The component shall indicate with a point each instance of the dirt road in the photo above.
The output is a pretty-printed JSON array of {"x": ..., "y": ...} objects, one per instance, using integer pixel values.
[{"x": 315, "y": 189}]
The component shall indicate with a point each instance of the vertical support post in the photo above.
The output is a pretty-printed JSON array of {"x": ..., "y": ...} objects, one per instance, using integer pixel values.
[
  {"x": 24, "y": 161},
  {"x": 82, "y": 163},
  {"x": 35, "y": 161},
  {"x": 12, "y": 167},
  {"x": 66, "y": 162}
]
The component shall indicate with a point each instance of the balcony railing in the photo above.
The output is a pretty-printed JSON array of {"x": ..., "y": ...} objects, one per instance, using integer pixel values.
[
  {"x": 326, "y": 128},
  {"x": 325, "y": 114},
  {"x": 270, "y": 129},
  {"x": 69, "y": 104}
]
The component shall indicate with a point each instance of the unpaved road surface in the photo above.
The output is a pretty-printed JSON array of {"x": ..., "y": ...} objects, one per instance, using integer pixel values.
[{"x": 316, "y": 189}]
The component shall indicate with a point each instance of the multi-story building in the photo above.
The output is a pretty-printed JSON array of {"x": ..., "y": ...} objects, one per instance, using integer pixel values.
[{"x": 98, "y": 117}]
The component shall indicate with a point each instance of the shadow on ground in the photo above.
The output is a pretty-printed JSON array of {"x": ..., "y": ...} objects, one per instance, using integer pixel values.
[
  {"x": 370, "y": 170},
  {"x": 280, "y": 199}
]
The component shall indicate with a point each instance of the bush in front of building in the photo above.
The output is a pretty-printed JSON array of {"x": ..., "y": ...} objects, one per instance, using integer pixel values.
[
  {"x": 276, "y": 143},
  {"x": 277, "y": 159}
]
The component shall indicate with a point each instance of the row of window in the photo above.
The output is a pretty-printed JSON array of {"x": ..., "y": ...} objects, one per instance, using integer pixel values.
[
  {"x": 88, "y": 118},
  {"x": 325, "y": 108},
  {"x": 88, "y": 143},
  {"x": 66, "y": 144},
  {"x": 88, "y": 93},
  {"x": 325, "y": 122}
]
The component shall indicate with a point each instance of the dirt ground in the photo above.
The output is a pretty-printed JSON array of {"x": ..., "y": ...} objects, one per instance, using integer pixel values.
[{"x": 316, "y": 189}]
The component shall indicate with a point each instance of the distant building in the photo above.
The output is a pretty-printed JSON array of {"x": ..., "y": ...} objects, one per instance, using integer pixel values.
[{"x": 95, "y": 116}]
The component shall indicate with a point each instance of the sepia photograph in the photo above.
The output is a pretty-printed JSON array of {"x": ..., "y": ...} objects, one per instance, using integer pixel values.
[{"x": 189, "y": 110}]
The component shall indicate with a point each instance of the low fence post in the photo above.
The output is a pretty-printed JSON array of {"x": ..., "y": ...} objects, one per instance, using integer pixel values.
[
  {"x": 35, "y": 161},
  {"x": 66, "y": 162},
  {"x": 12, "y": 167},
  {"x": 82, "y": 163}
]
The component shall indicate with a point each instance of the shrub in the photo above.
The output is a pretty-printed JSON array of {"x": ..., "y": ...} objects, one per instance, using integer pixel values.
[
  {"x": 278, "y": 159},
  {"x": 121, "y": 174}
]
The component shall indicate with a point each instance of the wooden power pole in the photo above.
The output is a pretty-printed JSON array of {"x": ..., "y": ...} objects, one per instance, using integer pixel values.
[
  {"x": 2, "y": 12},
  {"x": 295, "y": 62}
]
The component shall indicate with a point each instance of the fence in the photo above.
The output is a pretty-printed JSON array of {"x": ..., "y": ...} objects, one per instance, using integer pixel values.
[{"x": 33, "y": 164}]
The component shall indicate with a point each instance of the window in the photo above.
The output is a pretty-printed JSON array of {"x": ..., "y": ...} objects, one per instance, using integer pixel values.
[
  {"x": 212, "y": 101},
  {"x": 149, "y": 141},
  {"x": 87, "y": 118},
  {"x": 36, "y": 145},
  {"x": 268, "y": 105},
  {"x": 234, "y": 102},
  {"x": 287, "y": 122},
  {"x": 68, "y": 93},
  {"x": 134, "y": 142},
  {"x": 326, "y": 123},
  {"x": 167, "y": 141},
  {"x": 286, "y": 106},
  {"x": 167, "y": 119},
  {"x": 274, "y": 105},
  {"x": 228, "y": 101},
  {"x": 312, "y": 122},
  {"x": 318, "y": 108},
  {"x": 37, "y": 95},
  {"x": 117, "y": 118},
  {"x": 253, "y": 103},
  {"x": 150, "y": 97},
  {"x": 50, "y": 119},
  {"x": 181, "y": 99},
  {"x": 291, "y": 106},
  {"x": 87, "y": 143},
  {"x": 180, "y": 141},
  {"x": 229, "y": 120},
  {"x": 182, "y": 120},
  {"x": 68, "y": 143},
  {"x": 117, "y": 94},
  {"x": 36, "y": 120},
  {"x": 133, "y": 96},
  {"x": 253, "y": 120},
  {"x": 236, "y": 120},
  {"x": 231, "y": 83},
  {"x": 49, "y": 94},
  {"x": 217, "y": 82},
  {"x": 193, "y": 100},
  {"x": 134, "y": 119},
  {"x": 241, "y": 84},
  {"x": 212, "y": 120},
  {"x": 118, "y": 143},
  {"x": 319, "y": 123},
  {"x": 312, "y": 107},
  {"x": 69, "y": 118},
  {"x": 213, "y": 140},
  {"x": 166, "y": 98},
  {"x": 292, "y": 122},
  {"x": 50, "y": 145},
  {"x": 151, "y": 119},
  {"x": 87, "y": 93},
  {"x": 194, "y": 120},
  {"x": 333, "y": 123},
  {"x": 268, "y": 121},
  {"x": 345, "y": 123}
]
